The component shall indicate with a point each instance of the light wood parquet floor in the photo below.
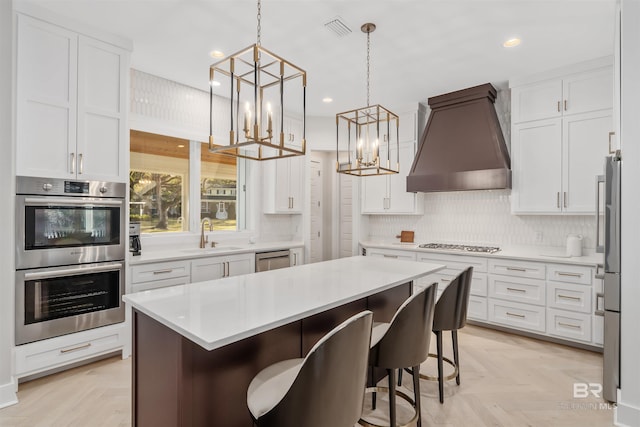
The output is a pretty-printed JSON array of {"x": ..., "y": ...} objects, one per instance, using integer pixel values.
[{"x": 507, "y": 380}]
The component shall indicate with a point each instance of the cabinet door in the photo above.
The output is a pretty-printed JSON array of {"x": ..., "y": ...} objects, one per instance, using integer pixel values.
[
  {"x": 402, "y": 201},
  {"x": 296, "y": 180},
  {"x": 46, "y": 99},
  {"x": 294, "y": 131},
  {"x": 207, "y": 269},
  {"x": 585, "y": 138},
  {"x": 588, "y": 91},
  {"x": 537, "y": 172},
  {"x": 240, "y": 264},
  {"x": 297, "y": 256},
  {"x": 375, "y": 194},
  {"x": 536, "y": 101},
  {"x": 281, "y": 194},
  {"x": 102, "y": 136}
]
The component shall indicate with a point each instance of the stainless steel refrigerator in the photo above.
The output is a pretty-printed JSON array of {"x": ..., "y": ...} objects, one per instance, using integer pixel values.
[{"x": 611, "y": 249}]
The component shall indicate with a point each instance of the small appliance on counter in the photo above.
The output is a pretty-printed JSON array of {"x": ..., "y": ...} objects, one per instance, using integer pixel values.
[
  {"x": 135, "y": 247},
  {"x": 574, "y": 245}
]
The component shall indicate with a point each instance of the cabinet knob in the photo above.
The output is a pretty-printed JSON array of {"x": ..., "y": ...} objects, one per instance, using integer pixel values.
[
  {"x": 47, "y": 187},
  {"x": 103, "y": 190}
]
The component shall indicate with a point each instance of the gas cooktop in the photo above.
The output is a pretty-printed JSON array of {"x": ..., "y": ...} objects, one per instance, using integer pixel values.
[{"x": 466, "y": 248}]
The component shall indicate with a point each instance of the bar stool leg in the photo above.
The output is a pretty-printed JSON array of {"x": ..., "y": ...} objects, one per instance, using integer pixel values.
[
  {"x": 392, "y": 397},
  {"x": 454, "y": 338},
  {"x": 440, "y": 367},
  {"x": 416, "y": 392},
  {"x": 374, "y": 394}
]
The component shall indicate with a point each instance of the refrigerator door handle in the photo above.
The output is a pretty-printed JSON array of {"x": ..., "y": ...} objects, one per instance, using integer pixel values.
[
  {"x": 599, "y": 244},
  {"x": 599, "y": 311}
]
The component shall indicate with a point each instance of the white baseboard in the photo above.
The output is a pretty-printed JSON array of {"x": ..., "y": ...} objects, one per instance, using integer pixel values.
[
  {"x": 8, "y": 395},
  {"x": 626, "y": 415}
]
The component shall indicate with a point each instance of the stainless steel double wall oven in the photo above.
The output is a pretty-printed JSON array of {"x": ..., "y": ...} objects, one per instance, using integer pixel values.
[{"x": 70, "y": 251}]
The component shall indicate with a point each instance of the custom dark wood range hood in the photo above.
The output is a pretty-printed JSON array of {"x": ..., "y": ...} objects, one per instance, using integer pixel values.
[{"x": 462, "y": 147}]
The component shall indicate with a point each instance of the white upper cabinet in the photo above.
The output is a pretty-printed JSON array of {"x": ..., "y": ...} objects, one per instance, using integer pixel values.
[
  {"x": 283, "y": 179},
  {"x": 387, "y": 194},
  {"x": 557, "y": 152},
  {"x": 574, "y": 94},
  {"x": 71, "y": 104}
]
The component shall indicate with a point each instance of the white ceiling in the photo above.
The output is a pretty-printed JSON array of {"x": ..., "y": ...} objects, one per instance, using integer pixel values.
[{"x": 420, "y": 49}]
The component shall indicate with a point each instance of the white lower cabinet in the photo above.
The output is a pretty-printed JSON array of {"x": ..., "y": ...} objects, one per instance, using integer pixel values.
[
  {"x": 55, "y": 352},
  {"x": 159, "y": 275},
  {"x": 211, "y": 268},
  {"x": 517, "y": 315},
  {"x": 477, "y": 309},
  {"x": 296, "y": 256},
  {"x": 391, "y": 253},
  {"x": 566, "y": 324},
  {"x": 528, "y": 291}
]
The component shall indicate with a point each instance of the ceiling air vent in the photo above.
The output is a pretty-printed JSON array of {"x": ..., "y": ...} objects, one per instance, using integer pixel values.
[{"x": 337, "y": 26}]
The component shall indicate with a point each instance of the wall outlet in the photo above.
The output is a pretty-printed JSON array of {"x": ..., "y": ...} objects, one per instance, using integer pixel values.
[{"x": 538, "y": 236}]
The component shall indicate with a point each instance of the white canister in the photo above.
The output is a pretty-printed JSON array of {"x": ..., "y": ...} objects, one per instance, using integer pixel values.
[{"x": 574, "y": 245}]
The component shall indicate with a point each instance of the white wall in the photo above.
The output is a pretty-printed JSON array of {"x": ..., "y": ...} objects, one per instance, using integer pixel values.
[
  {"x": 321, "y": 134},
  {"x": 7, "y": 386},
  {"x": 628, "y": 411}
]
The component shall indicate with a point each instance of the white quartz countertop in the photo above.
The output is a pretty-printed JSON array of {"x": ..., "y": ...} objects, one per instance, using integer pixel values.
[
  {"x": 547, "y": 254},
  {"x": 219, "y": 312},
  {"x": 179, "y": 253}
]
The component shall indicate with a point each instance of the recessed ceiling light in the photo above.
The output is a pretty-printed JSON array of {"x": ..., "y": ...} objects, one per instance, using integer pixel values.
[
  {"x": 216, "y": 54},
  {"x": 215, "y": 83},
  {"x": 327, "y": 100},
  {"x": 180, "y": 145},
  {"x": 512, "y": 42}
]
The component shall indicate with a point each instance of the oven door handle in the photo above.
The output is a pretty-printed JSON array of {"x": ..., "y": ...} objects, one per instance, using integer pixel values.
[
  {"x": 54, "y": 201},
  {"x": 72, "y": 271}
]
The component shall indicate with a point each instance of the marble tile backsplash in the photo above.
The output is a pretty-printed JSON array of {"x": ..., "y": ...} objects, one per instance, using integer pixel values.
[{"x": 482, "y": 218}]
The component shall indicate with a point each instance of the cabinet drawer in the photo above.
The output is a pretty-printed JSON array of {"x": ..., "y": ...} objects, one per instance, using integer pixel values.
[
  {"x": 48, "y": 354},
  {"x": 567, "y": 296},
  {"x": 161, "y": 283},
  {"x": 576, "y": 326},
  {"x": 517, "y": 289},
  {"x": 477, "y": 309},
  {"x": 520, "y": 316},
  {"x": 455, "y": 262},
  {"x": 531, "y": 270},
  {"x": 570, "y": 273},
  {"x": 444, "y": 278},
  {"x": 159, "y": 271},
  {"x": 391, "y": 253}
]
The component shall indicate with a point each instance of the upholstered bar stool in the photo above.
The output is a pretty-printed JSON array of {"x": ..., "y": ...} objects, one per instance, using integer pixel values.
[
  {"x": 326, "y": 388},
  {"x": 450, "y": 315},
  {"x": 403, "y": 343}
]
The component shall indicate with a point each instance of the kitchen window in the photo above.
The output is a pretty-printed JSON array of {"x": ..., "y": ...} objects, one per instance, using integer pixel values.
[{"x": 163, "y": 170}]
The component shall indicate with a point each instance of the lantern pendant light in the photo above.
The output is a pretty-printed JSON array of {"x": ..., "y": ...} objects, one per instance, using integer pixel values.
[
  {"x": 260, "y": 86},
  {"x": 366, "y": 137}
]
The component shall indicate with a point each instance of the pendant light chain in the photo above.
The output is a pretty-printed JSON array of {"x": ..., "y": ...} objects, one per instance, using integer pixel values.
[
  {"x": 259, "y": 16},
  {"x": 368, "y": 66}
]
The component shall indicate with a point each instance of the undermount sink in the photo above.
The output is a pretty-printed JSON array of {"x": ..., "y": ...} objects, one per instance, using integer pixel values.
[{"x": 212, "y": 250}]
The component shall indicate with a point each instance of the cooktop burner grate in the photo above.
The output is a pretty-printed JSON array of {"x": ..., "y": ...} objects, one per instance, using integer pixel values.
[{"x": 466, "y": 248}]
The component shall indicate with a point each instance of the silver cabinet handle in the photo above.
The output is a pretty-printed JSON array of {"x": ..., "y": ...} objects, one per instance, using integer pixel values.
[
  {"x": 610, "y": 150},
  {"x": 562, "y": 273},
  {"x": 565, "y": 105},
  {"x": 516, "y": 269},
  {"x": 80, "y": 163},
  {"x": 390, "y": 256},
  {"x": 558, "y": 200},
  {"x": 163, "y": 271},
  {"x": 569, "y": 297},
  {"x": 558, "y": 106},
  {"x": 517, "y": 290},
  {"x": 295, "y": 259},
  {"x": 445, "y": 280},
  {"x": 73, "y": 163},
  {"x": 80, "y": 347},
  {"x": 520, "y": 316},
  {"x": 565, "y": 198},
  {"x": 569, "y": 325}
]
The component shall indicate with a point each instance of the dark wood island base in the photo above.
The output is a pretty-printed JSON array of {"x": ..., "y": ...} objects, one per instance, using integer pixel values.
[{"x": 176, "y": 382}]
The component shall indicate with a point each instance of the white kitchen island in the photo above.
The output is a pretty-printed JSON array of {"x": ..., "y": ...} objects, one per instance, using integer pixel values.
[{"x": 196, "y": 347}]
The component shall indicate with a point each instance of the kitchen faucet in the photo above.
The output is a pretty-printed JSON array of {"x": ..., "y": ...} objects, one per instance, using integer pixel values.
[{"x": 204, "y": 240}]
